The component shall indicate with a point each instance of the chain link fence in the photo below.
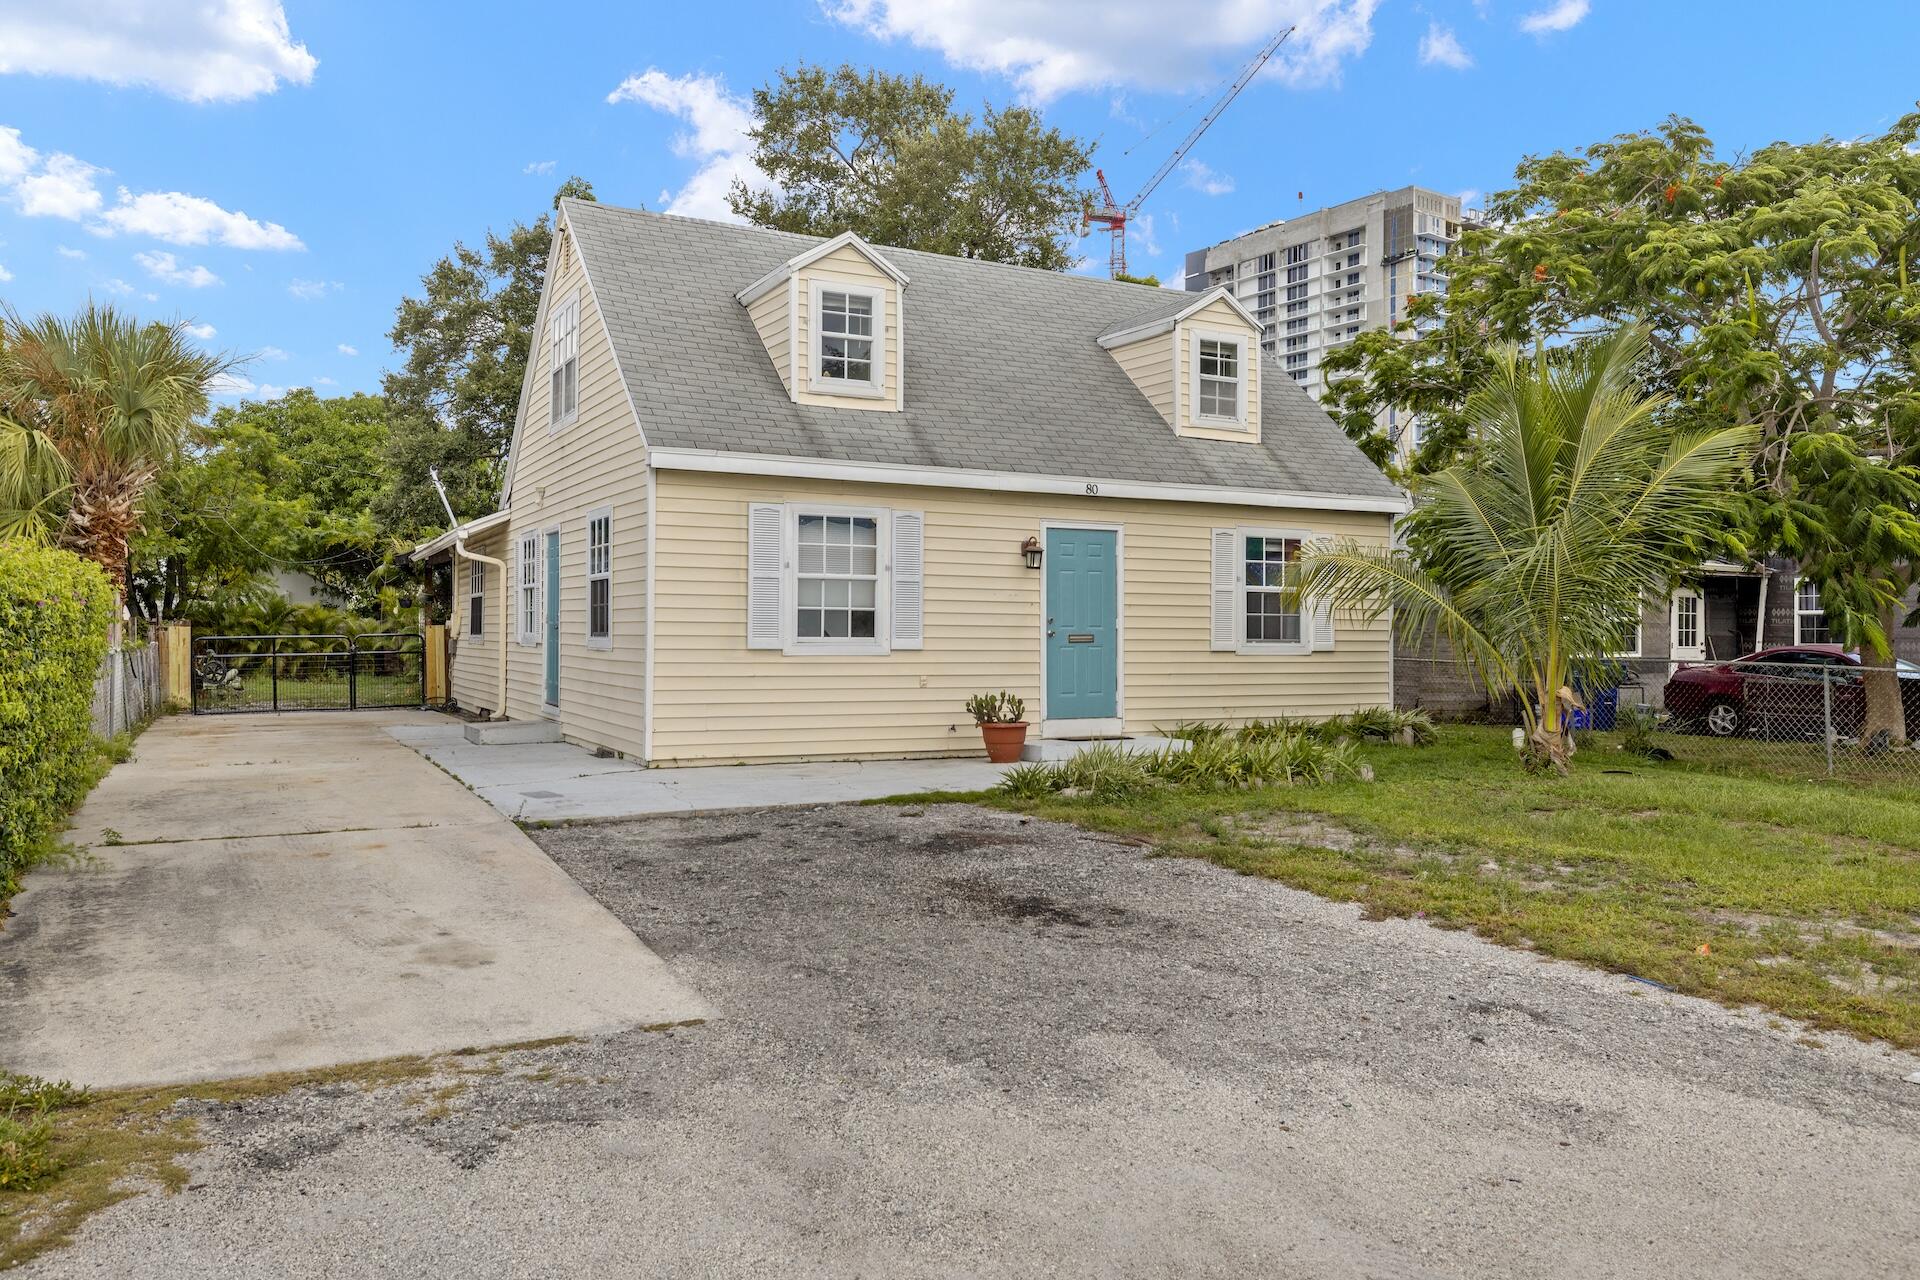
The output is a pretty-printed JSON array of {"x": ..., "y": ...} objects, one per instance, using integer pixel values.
[
  {"x": 129, "y": 689},
  {"x": 1801, "y": 713}
]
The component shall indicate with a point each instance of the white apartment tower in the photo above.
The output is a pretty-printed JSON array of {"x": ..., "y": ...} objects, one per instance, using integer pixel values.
[{"x": 1315, "y": 282}]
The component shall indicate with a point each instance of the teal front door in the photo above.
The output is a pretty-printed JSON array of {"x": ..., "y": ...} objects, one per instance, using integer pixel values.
[
  {"x": 1082, "y": 624},
  {"x": 552, "y": 645}
]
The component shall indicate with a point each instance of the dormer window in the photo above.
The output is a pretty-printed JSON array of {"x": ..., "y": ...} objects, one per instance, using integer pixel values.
[
  {"x": 847, "y": 355},
  {"x": 1220, "y": 378}
]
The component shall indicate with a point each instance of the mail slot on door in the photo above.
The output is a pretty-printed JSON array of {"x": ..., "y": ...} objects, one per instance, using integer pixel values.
[{"x": 1079, "y": 637}]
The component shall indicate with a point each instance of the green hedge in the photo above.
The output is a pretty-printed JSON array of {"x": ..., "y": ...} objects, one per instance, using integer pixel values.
[{"x": 54, "y": 611}]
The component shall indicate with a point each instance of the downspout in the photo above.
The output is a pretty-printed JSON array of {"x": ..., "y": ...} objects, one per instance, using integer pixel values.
[
  {"x": 506, "y": 592},
  {"x": 1760, "y": 624}
]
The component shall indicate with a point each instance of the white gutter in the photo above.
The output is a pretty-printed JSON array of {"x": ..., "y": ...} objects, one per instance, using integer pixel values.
[
  {"x": 755, "y": 464},
  {"x": 459, "y": 533}
]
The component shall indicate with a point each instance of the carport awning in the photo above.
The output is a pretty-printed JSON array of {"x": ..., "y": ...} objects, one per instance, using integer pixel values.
[{"x": 434, "y": 546}]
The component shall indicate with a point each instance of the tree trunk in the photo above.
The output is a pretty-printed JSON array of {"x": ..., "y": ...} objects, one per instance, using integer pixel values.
[
  {"x": 1885, "y": 714},
  {"x": 1551, "y": 736}
]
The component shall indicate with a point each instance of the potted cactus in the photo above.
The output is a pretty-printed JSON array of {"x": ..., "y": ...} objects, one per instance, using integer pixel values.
[{"x": 1001, "y": 727}]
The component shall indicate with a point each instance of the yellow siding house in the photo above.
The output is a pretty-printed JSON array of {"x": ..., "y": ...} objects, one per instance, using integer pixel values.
[{"x": 777, "y": 498}]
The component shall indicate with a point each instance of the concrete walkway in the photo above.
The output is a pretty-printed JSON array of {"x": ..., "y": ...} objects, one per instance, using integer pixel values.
[
  {"x": 269, "y": 893},
  {"x": 552, "y": 781}
]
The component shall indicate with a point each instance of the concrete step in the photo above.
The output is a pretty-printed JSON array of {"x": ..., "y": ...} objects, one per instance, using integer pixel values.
[
  {"x": 1050, "y": 749},
  {"x": 501, "y": 733}
]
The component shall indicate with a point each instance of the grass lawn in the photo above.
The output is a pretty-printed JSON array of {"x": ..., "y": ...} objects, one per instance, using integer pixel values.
[{"x": 1801, "y": 896}]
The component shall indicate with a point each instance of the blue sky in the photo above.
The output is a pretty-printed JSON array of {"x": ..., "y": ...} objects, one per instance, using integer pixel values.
[{"x": 282, "y": 174}]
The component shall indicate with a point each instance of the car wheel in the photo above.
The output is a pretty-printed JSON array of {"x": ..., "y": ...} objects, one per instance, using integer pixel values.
[{"x": 1722, "y": 718}]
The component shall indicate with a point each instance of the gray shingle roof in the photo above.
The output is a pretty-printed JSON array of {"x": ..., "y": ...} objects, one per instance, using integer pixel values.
[
  {"x": 1003, "y": 369},
  {"x": 1169, "y": 304}
]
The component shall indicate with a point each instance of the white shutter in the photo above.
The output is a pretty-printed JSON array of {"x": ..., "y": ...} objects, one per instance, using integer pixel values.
[
  {"x": 1320, "y": 614},
  {"x": 1226, "y": 589},
  {"x": 909, "y": 579},
  {"x": 766, "y": 575}
]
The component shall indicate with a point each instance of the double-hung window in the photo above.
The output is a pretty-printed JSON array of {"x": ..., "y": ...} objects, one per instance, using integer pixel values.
[
  {"x": 848, "y": 322},
  {"x": 1809, "y": 619},
  {"x": 837, "y": 577},
  {"x": 1220, "y": 378},
  {"x": 563, "y": 363},
  {"x": 600, "y": 579},
  {"x": 529, "y": 589},
  {"x": 476, "y": 597},
  {"x": 1270, "y": 564}
]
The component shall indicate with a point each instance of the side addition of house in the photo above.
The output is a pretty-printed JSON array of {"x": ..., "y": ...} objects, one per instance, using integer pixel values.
[{"x": 772, "y": 497}]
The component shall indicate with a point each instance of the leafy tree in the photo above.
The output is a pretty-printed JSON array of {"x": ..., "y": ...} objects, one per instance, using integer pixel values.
[
  {"x": 94, "y": 407},
  {"x": 1153, "y": 281},
  {"x": 287, "y": 483},
  {"x": 464, "y": 344},
  {"x": 1580, "y": 502},
  {"x": 1853, "y": 522},
  {"x": 1774, "y": 289},
  {"x": 886, "y": 156}
]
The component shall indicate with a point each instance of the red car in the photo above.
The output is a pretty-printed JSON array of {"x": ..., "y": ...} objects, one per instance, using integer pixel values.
[{"x": 1780, "y": 693}]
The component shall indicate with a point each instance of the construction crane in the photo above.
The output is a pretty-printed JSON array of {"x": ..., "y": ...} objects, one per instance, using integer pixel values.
[{"x": 1115, "y": 216}]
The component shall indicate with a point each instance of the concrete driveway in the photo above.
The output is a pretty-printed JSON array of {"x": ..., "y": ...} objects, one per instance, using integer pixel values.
[
  {"x": 267, "y": 893},
  {"x": 957, "y": 1043}
]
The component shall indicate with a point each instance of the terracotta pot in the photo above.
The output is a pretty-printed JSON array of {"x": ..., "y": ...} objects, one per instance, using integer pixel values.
[{"x": 1004, "y": 741}]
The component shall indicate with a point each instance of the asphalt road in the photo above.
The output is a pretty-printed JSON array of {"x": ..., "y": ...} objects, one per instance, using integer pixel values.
[{"x": 953, "y": 1043}]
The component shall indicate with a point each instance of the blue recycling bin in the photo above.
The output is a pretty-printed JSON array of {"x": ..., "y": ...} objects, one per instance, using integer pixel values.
[{"x": 1601, "y": 693}]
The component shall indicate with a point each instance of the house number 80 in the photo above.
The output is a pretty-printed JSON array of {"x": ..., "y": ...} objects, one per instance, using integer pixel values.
[{"x": 1093, "y": 488}]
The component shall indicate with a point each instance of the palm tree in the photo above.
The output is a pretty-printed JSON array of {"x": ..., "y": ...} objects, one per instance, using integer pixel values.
[
  {"x": 1531, "y": 558},
  {"x": 90, "y": 409}
]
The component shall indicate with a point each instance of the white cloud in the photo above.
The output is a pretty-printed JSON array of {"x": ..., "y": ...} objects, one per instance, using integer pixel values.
[
  {"x": 168, "y": 269},
  {"x": 61, "y": 188},
  {"x": 5, "y": 275},
  {"x": 1469, "y": 197},
  {"x": 204, "y": 332},
  {"x": 200, "y": 50},
  {"x": 1204, "y": 179},
  {"x": 1560, "y": 16},
  {"x": 230, "y": 384},
  {"x": 178, "y": 218},
  {"x": 540, "y": 166},
  {"x": 347, "y": 350},
  {"x": 1440, "y": 47},
  {"x": 78, "y": 255},
  {"x": 16, "y": 157},
  {"x": 117, "y": 285},
  {"x": 270, "y": 392},
  {"x": 312, "y": 290},
  {"x": 324, "y": 381},
  {"x": 717, "y": 138},
  {"x": 271, "y": 353},
  {"x": 1068, "y": 45}
]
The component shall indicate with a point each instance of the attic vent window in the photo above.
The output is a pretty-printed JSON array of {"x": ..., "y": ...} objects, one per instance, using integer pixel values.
[
  {"x": 563, "y": 363},
  {"x": 846, "y": 339}
]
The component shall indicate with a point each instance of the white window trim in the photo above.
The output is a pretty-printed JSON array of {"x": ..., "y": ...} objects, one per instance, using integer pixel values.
[
  {"x": 1799, "y": 613},
  {"x": 529, "y": 548},
  {"x": 1268, "y": 648},
  {"x": 877, "y": 386},
  {"x": 569, "y": 312},
  {"x": 476, "y": 574},
  {"x": 593, "y": 641},
  {"x": 882, "y": 643},
  {"x": 1239, "y": 342}
]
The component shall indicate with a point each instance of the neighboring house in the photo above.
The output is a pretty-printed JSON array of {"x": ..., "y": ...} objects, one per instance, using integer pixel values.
[
  {"x": 773, "y": 498},
  {"x": 1724, "y": 612},
  {"x": 299, "y": 586}
]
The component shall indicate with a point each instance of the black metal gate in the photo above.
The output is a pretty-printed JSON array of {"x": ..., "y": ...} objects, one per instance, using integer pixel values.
[{"x": 233, "y": 674}]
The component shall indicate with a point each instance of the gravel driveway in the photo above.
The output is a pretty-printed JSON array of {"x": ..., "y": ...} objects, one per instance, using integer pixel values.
[{"x": 955, "y": 1042}]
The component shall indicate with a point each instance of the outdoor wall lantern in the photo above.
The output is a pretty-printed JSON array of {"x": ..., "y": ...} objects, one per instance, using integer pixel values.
[{"x": 1030, "y": 549}]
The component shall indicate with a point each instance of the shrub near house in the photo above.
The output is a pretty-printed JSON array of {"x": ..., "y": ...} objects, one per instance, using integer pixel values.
[{"x": 54, "y": 610}]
